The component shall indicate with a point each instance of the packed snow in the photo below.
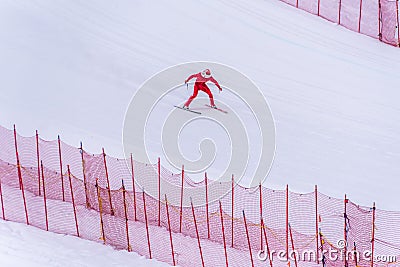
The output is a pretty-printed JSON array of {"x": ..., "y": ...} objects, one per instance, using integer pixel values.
[
  {"x": 22, "y": 245},
  {"x": 71, "y": 68}
]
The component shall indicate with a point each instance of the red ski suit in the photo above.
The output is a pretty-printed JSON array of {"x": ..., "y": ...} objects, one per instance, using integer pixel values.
[{"x": 200, "y": 84}]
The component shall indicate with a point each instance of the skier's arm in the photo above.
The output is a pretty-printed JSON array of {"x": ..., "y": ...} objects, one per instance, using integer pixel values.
[
  {"x": 190, "y": 77},
  {"x": 216, "y": 83}
]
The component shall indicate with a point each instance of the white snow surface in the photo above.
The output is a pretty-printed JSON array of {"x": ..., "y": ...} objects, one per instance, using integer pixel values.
[
  {"x": 22, "y": 245},
  {"x": 71, "y": 68}
]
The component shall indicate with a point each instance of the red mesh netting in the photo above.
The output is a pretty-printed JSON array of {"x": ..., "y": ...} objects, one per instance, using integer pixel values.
[
  {"x": 375, "y": 18},
  {"x": 390, "y": 21},
  {"x": 59, "y": 201}
]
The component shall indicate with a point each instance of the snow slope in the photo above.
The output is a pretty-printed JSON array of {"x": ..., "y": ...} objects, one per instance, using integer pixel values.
[
  {"x": 22, "y": 245},
  {"x": 71, "y": 67}
]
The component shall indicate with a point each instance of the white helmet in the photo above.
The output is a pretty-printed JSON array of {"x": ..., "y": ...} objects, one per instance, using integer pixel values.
[{"x": 206, "y": 73}]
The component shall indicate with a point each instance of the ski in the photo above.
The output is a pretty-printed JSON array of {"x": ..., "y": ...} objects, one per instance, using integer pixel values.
[
  {"x": 223, "y": 111},
  {"x": 191, "y": 110}
]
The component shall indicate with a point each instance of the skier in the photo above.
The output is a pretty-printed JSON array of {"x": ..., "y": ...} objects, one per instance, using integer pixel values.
[{"x": 200, "y": 84}]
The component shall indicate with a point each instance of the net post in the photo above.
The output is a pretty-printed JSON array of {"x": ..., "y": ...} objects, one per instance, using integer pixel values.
[
  {"x": 345, "y": 229},
  {"x": 73, "y": 200},
  {"x": 159, "y": 191},
  {"x": 359, "y": 18},
  {"x": 2, "y": 202},
  {"x": 108, "y": 182},
  {"x": 44, "y": 197},
  {"x": 297, "y": 3},
  {"x": 355, "y": 254},
  {"x": 266, "y": 241},
  {"x": 38, "y": 160},
  {"x": 84, "y": 177},
  {"x": 398, "y": 25},
  {"x": 126, "y": 217},
  {"x": 133, "y": 185},
  {"x": 232, "y": 209},
  {"x": 21, "y": 183},
  {"x": 293, "y": 249},
  {"x": 103, "y": 236},
  {"x": 170, "y": 233},
  {"x": 319, "y": 7},
  {"x": 23, "y": 196},
  {"x": 61, "y": 168},
  {"x": 287, "y": 222},
  {"x": 316, "y": 222},
  {"x": 321, "y": 241},
  {"x": 197, "y": 233},
  {"x": 17, "y": 159},
  {"x": 261, "y": 216},
  {"x": 380, "y": 20},
  {"x": 373, "y": 235},
  {"x": 147, "y": 224},
  {"x": 181, "y": 204},
  {"x": 340, "y": 11},
  {"x": 223, "y": 233},
  {"x": 248, "y": 238},
  {"x": 207, "y": 217}
]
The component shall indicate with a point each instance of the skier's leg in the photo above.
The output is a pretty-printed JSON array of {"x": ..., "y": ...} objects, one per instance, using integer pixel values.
[
  {"x": 210, "y": 95},
  {"x": 195, "y": 92}
]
